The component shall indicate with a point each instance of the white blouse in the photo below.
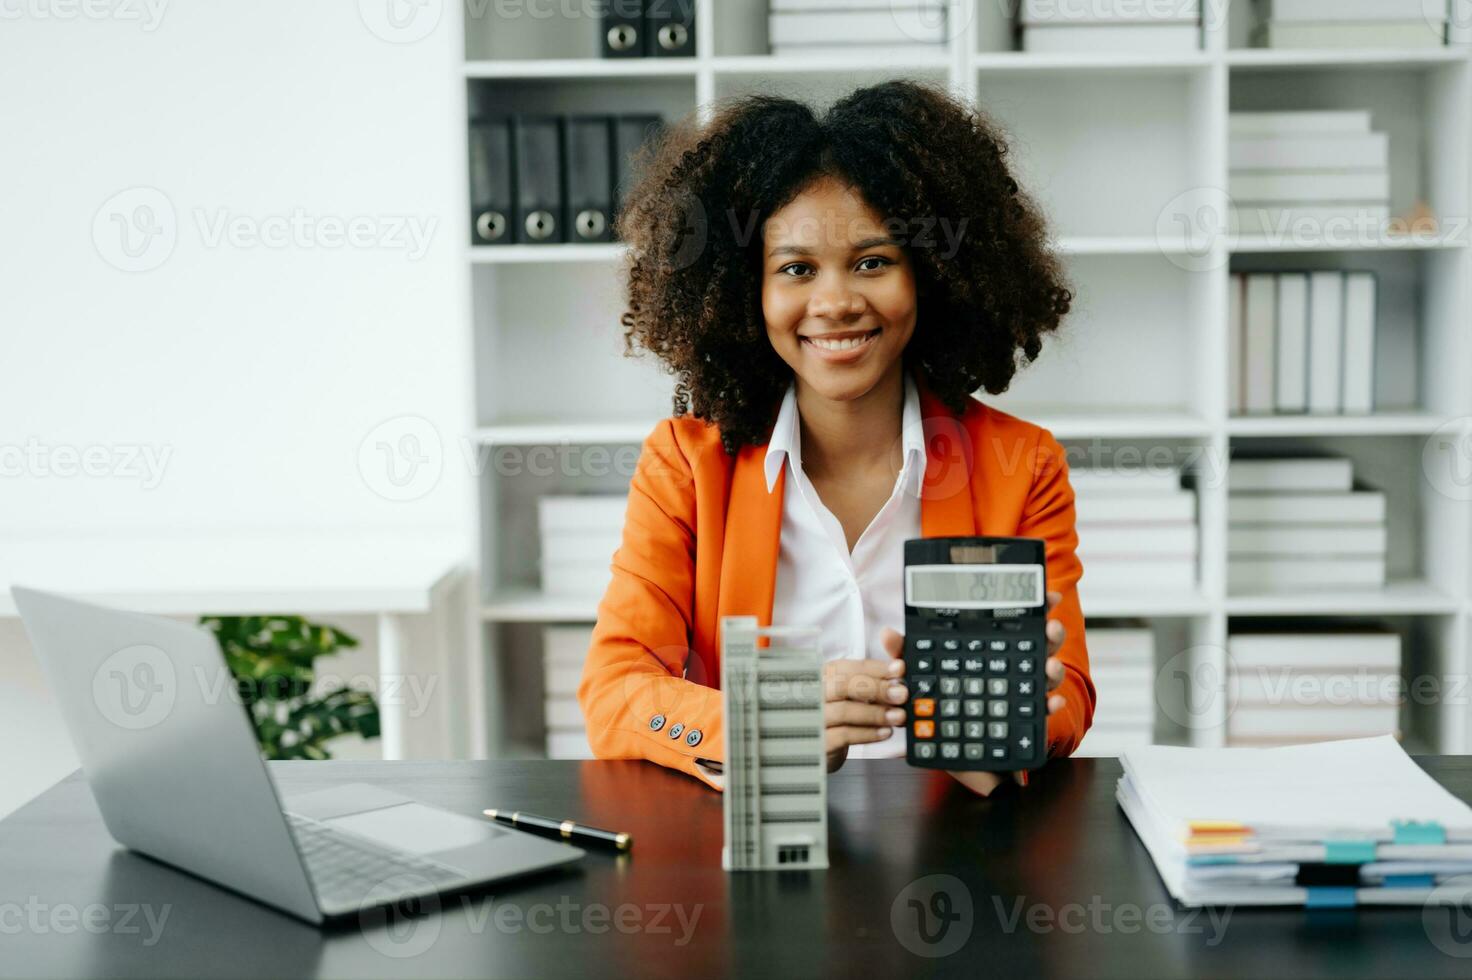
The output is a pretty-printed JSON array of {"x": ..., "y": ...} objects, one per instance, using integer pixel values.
[{"x": 850, "y": 596}]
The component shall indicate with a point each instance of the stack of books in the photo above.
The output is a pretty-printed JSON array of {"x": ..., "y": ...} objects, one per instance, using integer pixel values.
[
  {"x": 1315, "y": 174},
  {"x": 1122, "y": 665},
  {"x": 1136, "y": 529},
  {"x": 1310, "y": 683},
  {"x": 1165, "y": 27},
  {"x": 579, "y": 534},
  {"x": 1300, "y": 524},
  {"x": 856, "y": 28},
  {"x": 1350, "y": 24},
  {"x": 564, "y": 649},
  {"x": 1329, "y": 825},
  {"x": 1302, "y": 342}
]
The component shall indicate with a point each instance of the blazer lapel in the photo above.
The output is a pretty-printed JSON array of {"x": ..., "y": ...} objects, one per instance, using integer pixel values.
[
  {"x": 753, "y": 536},
  {"x": 945, "y": 495}
]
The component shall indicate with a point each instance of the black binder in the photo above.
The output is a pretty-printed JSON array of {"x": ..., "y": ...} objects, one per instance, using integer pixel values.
[
  {"x": 623, "y": 29},
  {"x": 589, "y": 142},
  {"x": 630, "y": 132},
  {"x": 541, "y": 216},
  {"x": 492, "y": 180},
  {"x": 670, "y": 28}
]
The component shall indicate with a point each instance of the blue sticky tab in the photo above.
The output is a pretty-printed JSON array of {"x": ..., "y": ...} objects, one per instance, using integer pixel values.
[
  {"x": 1417, "y": 832},
  {"x": 1209, "y": 859},
  {"x": 1330, "y": 897},
  {"x": 1349, "y": 851},
  {"x": 1410, "y": 881}
]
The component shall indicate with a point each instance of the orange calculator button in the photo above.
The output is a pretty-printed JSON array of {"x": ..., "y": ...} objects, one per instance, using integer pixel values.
[
  {"x": 924, "y": 707},
  {"x": 925, "y": 729}
]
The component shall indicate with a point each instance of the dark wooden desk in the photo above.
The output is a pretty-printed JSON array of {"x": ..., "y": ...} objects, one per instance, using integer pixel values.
[{"x": 1056, "y": 883}]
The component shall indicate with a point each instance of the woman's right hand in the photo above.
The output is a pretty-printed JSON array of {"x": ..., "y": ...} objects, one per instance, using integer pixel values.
[{"x": 860, "y": 699}]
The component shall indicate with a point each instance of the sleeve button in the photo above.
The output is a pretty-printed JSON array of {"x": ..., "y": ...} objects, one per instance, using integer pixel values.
[
  {"x": 693, "y": 738},
  {"x": 676, "y": 729},
  {"x": 656, "y": 723}
]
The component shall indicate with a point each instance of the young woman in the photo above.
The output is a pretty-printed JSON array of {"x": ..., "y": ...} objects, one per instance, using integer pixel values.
[{"x": 828, "y": 292}]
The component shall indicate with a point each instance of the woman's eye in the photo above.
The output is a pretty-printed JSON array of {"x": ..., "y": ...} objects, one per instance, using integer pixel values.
[
  {"x": 875, "y": 258},
  {"x": 794, "y": 265}
]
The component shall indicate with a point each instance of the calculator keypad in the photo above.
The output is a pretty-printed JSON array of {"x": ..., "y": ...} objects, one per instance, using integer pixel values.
[{"x": 976, "y": 702}]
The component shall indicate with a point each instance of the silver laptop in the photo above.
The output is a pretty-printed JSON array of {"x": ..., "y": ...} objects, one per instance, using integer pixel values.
[{"x": 173, "y": 761}]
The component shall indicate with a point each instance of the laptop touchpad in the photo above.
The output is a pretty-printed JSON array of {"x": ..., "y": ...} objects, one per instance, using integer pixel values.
[{"x": 417, "y": 828}]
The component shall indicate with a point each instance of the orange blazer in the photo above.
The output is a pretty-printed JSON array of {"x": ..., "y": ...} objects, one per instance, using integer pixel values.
[{"x": 700, "y": 541}]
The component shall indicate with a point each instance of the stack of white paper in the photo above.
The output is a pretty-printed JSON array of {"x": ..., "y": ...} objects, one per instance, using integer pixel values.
[
  {"x": 1302, "y": 342},
  {"x": 1307, "y": 175},
  {"x": 1122, "y": 667},
  {"x": 579, "y": 534},
  {"x": 856, "y": 28},
  {"x": 1289, "y": 685},
  {"x": 1299, "y": 524},
  {"x": 564, "y": 649},
  {"x": 1350, "y": 23},
  {"x": 1155, "y": 27},
  {"x": 1332, "y": 824},
  {"x": 1136, "y": 529}
]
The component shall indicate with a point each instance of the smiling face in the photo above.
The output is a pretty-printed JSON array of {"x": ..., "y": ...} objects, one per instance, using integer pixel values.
[{"x": 838, "y": 291}]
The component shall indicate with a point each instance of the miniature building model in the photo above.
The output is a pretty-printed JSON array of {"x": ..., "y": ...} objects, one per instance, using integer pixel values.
[{"x": 776, "y": 771}]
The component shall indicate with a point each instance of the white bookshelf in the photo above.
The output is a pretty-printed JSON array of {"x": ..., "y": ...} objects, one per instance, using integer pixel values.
[{"x": 1113, "y": 146}]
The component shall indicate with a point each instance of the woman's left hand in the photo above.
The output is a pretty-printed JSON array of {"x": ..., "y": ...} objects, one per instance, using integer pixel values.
[{"x": 984, "y": 782}]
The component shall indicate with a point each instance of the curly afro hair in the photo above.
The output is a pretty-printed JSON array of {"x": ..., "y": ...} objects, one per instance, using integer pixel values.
[{"x": 918, "y": 157}]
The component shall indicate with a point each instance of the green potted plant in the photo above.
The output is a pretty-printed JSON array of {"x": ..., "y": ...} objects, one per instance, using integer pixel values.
[{"x": 272, "y": 661}]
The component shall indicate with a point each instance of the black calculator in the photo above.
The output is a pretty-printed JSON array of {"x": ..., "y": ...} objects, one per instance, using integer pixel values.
[{"x": 975, "y": 653}]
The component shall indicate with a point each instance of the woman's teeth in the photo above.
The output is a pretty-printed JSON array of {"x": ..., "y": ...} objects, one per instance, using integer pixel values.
[{"x": 846, "y": 344}]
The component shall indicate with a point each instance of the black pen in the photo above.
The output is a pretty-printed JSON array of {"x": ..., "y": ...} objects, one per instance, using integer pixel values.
[{"x": 565, "y": 829}]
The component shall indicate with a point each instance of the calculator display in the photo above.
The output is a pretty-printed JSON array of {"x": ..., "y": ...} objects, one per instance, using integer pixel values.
[{"x": 973, "y": 586}]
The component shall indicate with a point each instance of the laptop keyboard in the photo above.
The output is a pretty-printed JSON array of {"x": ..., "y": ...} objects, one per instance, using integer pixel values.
[{"x": 350, "y": 872}]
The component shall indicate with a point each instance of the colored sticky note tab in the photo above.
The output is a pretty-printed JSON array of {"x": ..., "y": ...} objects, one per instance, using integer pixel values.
[
  {"x": 1410, "y": 881},
  {"x": 1349, "y": 851},
  {"x": 1418, "y": 832},
  {"x": 1330, "y": 897}
]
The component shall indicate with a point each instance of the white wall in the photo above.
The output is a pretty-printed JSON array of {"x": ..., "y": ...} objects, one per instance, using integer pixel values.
[{"x": 251, "y": 371}]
